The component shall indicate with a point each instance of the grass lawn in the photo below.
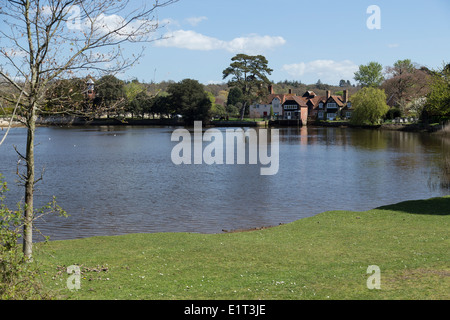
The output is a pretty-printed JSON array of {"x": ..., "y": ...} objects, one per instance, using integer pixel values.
[{"x": 322, "y": 257}]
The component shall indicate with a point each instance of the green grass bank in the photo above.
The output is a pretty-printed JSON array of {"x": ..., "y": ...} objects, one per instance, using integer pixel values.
[{"x": 322, "y": 257}]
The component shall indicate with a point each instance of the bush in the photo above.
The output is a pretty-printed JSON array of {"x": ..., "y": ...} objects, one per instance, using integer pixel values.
[
  {"x": 393, "y": 113},
  {"x": 19, "y": 277}
]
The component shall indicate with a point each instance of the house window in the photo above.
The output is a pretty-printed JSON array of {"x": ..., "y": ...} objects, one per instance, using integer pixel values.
[
  {"x": 320, "y": 115},
  {"x": 290, "y": 107},
  {"x": 348, "y": 114},
  {"x": 332, "y": 105},
  {"x": 321, "y": 106},
  {"x": 287, "y": 115},
  {"x": 331, "y": 116}
]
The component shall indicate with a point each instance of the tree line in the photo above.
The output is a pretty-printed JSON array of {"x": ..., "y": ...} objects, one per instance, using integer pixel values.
[
  {"x": 405, "y": 89},
  {"x": 117, "y": 98}
]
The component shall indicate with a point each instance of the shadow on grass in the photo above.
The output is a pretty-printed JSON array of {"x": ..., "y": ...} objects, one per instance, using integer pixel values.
[{"x": 433, "y": 206}]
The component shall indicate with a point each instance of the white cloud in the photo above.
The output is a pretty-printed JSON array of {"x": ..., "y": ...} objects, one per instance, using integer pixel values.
[
  {"x": 121, "y": 28},
  {"x": 191, "y": 40},
  {"x": 393, "y": 45},
  {"x": 254, "y": 43},
  {"x": 193, "y": 21},
  {"x": 328, "y": 71}
]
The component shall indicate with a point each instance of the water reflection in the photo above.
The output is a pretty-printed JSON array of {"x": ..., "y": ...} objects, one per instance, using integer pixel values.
[
  {"x": 440, "y": 177},
  {"x": 116, "y": 180}
]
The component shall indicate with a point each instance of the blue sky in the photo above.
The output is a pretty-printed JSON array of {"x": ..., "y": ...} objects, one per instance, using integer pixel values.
[{"x": 303, "y": 40}]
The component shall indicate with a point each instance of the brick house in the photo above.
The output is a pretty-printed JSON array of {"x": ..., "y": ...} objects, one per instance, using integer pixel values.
[
  {"x": 295, "y": 108},
  {"x": 332, "y": 106},
  {"x": 308, "y": 107},
  {"x": 262, "y": 109}
]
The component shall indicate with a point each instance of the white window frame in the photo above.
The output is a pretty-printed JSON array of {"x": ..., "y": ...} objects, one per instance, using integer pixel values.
[{"x": 332, "y": 105}]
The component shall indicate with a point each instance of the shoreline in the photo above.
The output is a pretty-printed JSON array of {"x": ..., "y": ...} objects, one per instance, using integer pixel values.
[{"x": 71, "y": 121}]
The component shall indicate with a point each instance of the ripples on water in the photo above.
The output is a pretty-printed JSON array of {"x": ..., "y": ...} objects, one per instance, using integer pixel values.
[{"x": 117, "y": 180}]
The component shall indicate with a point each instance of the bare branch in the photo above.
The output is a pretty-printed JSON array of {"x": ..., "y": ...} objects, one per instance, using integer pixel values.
[
  {"x": 17, "y": 86},
  {"x": 12, "y": 119}
]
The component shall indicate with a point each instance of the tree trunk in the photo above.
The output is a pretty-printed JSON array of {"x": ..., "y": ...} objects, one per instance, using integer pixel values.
[
  {"x": 244, "y": 105},
  {"x": 29, "y": 186}
]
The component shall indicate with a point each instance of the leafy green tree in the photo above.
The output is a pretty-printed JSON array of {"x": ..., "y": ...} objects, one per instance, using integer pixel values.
[
  {"x": 161, "y": 105},
  {"x": 218, "y": 111},
  {"x": 438, "y": 102},
  {"x": 211, "y": 97},
  {"x": 234, "y": 110},
  {"x": 112, "y": 94},
  {"x": 140, "y": 105},
  {"x": 402, "y": 67},
  {"x": 190, "y": 100},
  {"x": 370, "y": 106},
  {"x": 370, "y": 75},
  {"x": 132, "y": 89},
  {"x": 248, "y": 73},
  {"x": 234, "y": 96}
]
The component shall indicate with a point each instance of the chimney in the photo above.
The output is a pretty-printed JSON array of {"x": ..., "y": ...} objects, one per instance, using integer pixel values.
[
  {"x": 270, "y": 89},
  {"x": 328, "y": 94},
  {"x": 290, "y": 91},
  {"x": 345, "y": 96}
]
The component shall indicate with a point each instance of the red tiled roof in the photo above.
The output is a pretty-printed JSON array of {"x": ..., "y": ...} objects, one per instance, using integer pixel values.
[
  {"x": 302, "y": 102},
  {"x": 270, "y": 97},
  {"x": 338, "y": 100},
  {"x": 309, "y": 94},
  {"x": 308, "y": 99}
]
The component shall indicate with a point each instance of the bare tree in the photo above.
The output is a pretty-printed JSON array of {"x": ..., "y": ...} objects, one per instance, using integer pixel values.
[
  {"x": 406, "y": 81},
  {"x": 46, "y": 41}
]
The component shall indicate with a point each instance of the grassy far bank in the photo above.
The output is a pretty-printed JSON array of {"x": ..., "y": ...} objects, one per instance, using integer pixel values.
[{"x": 322, "y": 257}]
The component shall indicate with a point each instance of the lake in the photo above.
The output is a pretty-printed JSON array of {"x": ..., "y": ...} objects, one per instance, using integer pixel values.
[{"x": 117, "y": 180}]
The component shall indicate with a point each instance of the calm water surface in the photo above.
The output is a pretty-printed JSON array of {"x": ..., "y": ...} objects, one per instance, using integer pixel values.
[{"x": 118, "y": 180}]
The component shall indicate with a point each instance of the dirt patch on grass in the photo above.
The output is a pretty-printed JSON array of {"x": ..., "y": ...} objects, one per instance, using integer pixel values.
[
  {"x": 420, "y": 273},
  {"x": 427, "y": 283},
  {"x": 248, "y": 229}
]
